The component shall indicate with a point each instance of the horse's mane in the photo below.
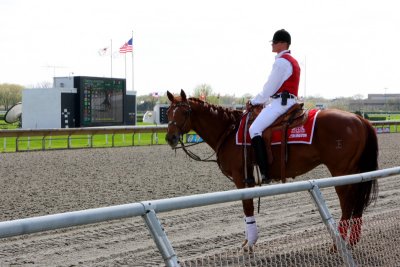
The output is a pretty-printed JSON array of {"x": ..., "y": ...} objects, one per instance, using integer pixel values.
[{"x": 228, "y": 115}]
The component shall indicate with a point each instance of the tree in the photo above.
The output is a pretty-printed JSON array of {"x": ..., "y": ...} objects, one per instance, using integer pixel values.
[
  {"x": 202, "y": 91},
  {"x": 10, "y": 94}
]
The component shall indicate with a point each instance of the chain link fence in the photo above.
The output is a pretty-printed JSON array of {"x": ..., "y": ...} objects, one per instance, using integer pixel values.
[{"x": 379, "y": 246}]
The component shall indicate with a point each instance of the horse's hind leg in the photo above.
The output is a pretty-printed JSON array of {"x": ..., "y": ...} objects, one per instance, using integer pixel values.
[
  {"x": 351, "y": 221},
  {"x": 346, "y": 205},
  {"x": 355, "y": 231}
]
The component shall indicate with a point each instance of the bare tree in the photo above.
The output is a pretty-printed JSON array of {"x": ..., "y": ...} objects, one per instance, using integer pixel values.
[
  {"x": 202, "y": 91},
  {"x": 44, "y": 84},
  {"x": 10, "y": 94}
]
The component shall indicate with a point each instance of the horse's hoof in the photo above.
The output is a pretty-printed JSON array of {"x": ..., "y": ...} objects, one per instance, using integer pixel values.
[
  {"x": 248, "y": 249},
  {"x": 333, "y": 249}
]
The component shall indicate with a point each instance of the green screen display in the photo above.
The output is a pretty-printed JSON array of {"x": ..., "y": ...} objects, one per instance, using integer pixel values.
[{"x": 101, "y": 101}]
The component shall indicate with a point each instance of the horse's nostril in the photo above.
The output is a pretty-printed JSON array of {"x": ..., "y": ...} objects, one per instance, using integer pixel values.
[{"x": 172, "y": 140}]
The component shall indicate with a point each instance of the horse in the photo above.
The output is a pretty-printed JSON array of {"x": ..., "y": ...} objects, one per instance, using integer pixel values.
[{"x": 344, "y": 142}]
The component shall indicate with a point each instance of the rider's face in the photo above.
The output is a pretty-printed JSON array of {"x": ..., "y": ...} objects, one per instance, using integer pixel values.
[{"x": 278, "y": 47}]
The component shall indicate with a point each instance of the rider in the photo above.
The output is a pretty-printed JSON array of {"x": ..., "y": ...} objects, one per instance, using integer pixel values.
[{"x": 278, "y": 95}]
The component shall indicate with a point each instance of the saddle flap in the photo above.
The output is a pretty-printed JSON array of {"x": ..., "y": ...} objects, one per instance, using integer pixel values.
[
  {"x": 295, "y": 116},
  {"x": 292, "y": 116}
]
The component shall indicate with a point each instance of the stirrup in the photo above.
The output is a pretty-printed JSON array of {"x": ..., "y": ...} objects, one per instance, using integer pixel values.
[{"x": 258, "y": 177}]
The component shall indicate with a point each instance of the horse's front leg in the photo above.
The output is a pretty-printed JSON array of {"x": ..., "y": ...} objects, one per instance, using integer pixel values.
[
  {"x": 251, "y": 231},
  {"x": 250, "y": 225}
]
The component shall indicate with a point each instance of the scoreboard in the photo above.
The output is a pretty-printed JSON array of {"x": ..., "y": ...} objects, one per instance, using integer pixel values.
[
  {"x": 101, "y": 100},
  {"x": 163, "y": 115}
]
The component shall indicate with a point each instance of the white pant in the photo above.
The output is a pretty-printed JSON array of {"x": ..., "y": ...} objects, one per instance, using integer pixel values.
[{"x": 269, "y": 114}]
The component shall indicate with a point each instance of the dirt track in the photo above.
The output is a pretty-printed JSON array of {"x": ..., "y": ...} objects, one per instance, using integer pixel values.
[{"x": 40, "y": 183}]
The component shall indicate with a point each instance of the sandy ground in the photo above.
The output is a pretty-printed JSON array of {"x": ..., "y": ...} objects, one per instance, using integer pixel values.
[{"x": 40, "y": 183}]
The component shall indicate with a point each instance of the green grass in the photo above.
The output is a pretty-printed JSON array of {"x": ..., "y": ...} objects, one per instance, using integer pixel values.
[
  {"x": 389, "y": 117},
  {"x": 8, "y": 144}
]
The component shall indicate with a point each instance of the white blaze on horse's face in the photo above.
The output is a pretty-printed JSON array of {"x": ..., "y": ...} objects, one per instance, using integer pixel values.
[
  {"x": 173, "y": 112},
  {"x": 178, "y": 122}
]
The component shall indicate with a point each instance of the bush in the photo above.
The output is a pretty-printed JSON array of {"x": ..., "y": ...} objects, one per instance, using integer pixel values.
[{"x": 377, "y": 118}]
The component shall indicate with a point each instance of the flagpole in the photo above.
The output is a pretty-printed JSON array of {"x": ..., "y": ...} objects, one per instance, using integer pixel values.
[
  {"x": 111, "y": 56},
  {"x": 133, "y": 83},
  {"x": 125, "y": 66}
]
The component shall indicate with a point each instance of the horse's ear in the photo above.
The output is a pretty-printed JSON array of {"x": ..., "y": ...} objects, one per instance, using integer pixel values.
[
  {"x": 170, "y": 96},
  {"x": 183, "y": 95}
]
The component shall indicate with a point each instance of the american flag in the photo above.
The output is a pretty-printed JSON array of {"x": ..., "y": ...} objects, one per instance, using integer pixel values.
[{"x": 127, "y": 47}]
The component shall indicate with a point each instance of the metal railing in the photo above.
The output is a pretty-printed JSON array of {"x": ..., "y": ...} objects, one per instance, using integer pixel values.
[
  {"x": 113, "y": 130},
  {"x": 90, "y": 132},
  {"x": 148, "y": 210}
]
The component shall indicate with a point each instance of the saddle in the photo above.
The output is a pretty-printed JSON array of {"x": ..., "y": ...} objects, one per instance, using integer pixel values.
[{"x": 294, "y": 117}]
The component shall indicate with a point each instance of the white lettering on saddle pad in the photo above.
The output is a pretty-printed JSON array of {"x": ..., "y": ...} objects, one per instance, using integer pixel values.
[
  {"x": 302, "y": 134},
  {"x": 298, "y": 132}
]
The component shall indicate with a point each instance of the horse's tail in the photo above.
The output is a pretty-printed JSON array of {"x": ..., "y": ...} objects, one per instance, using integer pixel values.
[{"x": 367, "y": 192}]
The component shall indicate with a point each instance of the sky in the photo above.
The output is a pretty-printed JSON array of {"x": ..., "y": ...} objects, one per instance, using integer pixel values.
[{"x": 345, "y": 48}]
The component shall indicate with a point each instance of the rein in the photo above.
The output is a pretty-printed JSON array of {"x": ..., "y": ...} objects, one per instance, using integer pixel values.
[
  {"x": 217, "y": 148},
  {"x": 193, "y": 155},
  {"x": 221, "y": 140}
]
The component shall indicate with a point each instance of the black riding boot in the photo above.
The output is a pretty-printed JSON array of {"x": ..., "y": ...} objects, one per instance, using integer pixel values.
[{"x": 258, "y": 144}]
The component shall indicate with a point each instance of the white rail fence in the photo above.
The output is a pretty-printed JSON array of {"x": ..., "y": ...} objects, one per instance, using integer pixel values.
[{"x": 148, "y": 210}]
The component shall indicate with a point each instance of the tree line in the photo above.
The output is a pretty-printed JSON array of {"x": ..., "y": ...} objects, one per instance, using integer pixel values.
[{"x": 10, "y": 94}]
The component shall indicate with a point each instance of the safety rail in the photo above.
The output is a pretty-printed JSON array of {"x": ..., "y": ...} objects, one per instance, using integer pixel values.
[
  {"x": 114, "y": 130},
  {"x": 148, "y": 210},
  {"x": 83, "y": 131},
  {"x": 70, "y": 132}
]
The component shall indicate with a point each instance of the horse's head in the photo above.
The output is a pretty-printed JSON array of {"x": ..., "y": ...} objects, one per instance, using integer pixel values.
[{"x": 178, "y": 118}]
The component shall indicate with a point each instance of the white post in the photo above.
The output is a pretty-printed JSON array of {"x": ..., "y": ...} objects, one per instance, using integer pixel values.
[
  {"x": 111, "y": 57},
  {"x": 330, "y": 223},
  {"x": 161, "y": 239},
  {"x": 133, "y": 86}
]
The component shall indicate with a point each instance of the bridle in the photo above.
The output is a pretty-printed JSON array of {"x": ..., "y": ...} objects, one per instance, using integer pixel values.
[
  {"x": 181, "y": 131},
  {"x": 188, "y": 112}
]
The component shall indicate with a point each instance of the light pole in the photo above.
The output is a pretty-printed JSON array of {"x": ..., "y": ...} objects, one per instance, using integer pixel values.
[{"x": 385, "y": 99}]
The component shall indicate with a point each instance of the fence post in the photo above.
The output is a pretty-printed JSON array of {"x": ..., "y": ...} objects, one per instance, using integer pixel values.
[
  {"x": 69, "y": 141},
  {"x": 160, "y": 238},
  {"x": 330, "y": 223},
  {"x": 44, "y": 143}
]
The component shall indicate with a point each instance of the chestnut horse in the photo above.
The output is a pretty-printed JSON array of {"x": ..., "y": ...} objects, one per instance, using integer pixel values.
[{"x": 344, "y": 142}]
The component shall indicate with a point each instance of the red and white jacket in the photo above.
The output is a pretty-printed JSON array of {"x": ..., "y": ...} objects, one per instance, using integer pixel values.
[{"x": 285, "y": 75}]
